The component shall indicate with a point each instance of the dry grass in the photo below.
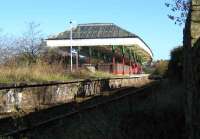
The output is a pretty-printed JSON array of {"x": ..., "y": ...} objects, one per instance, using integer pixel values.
[
  {"x": 42, "y": 72},
  {"x": 34, "y": 73}
]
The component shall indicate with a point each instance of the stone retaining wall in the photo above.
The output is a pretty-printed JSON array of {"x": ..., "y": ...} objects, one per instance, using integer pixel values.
[
  {"x": 28, "y": 97},
  {"x": 191, "y": 42}
]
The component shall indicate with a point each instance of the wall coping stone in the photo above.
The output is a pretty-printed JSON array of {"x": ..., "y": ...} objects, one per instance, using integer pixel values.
[{"x": 4, "y": 86}]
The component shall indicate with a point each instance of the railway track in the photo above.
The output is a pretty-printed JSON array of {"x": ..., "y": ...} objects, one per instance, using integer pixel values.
[{"x": 127, "y": 92}]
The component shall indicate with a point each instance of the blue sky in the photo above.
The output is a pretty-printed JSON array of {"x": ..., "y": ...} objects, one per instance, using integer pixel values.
[{"x": 146, "y": 18}]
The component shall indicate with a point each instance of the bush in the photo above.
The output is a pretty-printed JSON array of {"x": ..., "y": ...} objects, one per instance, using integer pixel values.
[
  {"x": 175, "y": 68},
  {"x": 161, "y": 68}
]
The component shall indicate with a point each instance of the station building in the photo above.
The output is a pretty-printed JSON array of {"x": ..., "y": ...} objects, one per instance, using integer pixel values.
[{"x": 105, "y": 46}]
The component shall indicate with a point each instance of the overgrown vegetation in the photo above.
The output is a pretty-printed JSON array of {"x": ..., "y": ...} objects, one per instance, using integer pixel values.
[
  {"x": 161, "y": 68},
  {"x": 43, "y": 72},
  {"x": 32, "y": 73}
]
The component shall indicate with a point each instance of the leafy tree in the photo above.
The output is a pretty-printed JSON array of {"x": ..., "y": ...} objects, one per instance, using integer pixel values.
[{"x": 179, "y": 10}]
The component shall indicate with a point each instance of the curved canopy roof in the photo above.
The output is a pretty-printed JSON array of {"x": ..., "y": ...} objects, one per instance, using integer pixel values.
[
  {"x": 98, "y": 34},
  {"x": 95, "y": 31}
]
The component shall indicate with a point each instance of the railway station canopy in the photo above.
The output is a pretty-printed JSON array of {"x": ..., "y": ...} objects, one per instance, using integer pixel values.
[{"x": 102, "y": 35}]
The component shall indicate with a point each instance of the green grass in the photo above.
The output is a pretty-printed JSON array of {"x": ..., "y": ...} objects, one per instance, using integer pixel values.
[{"x": 86, "y": 74}]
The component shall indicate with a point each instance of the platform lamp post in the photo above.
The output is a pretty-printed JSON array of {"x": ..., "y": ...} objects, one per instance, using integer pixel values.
[{"x": 71, "y": 62}]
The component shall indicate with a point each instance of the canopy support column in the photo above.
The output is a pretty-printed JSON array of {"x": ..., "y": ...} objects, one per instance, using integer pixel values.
[
  {"x": 90, "y": 54},
  {"x": 130, "y": 61},
  {"x": 113, "y": 59},
  {"x": 123, "y": 58},
  {"x": 77, "y": 58}
]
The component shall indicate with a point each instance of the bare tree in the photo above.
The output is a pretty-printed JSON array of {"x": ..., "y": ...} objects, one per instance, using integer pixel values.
[
  {"x": 7, "y": 49},
  {"x": 29, "y": 45}
]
